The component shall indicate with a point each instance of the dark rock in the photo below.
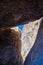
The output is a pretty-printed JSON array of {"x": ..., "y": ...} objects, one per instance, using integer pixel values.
[
  {"x": 10, "y": 48},
  {"x": 22, "y": 10}
]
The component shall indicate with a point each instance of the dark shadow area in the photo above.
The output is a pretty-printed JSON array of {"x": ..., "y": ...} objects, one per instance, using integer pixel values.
[
  {"x": 16, "y": 12},
  {"x": 35, "y": 56},
  {"x": 10, "y": 48}
]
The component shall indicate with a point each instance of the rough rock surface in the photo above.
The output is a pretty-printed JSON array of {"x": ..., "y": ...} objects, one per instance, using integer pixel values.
[
  {"x": 14, "y": 12},
  {"x": 35, "y": 56},
  {"x": 10, "y": 48},
  {"x": 28, "y": 36}
]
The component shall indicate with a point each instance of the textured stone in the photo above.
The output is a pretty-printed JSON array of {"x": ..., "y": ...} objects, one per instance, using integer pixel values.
[
  {"x": 10, "y": 48},
  {"x": 35, "y": 56},
  {"x": 28, "y": 36},
  {"x": 15, "y": 12}
]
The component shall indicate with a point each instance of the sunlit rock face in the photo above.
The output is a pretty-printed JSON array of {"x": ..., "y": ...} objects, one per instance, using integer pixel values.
[
  {"x": 35, "y": 56},
  {"x": 28, "y": 36}
]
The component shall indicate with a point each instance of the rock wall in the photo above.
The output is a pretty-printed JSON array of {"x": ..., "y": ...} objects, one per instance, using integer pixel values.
[
  {"x": 15, "y": 12},
  {"x": 35, "y": 56},
  {"x": 28, "y": 36}
]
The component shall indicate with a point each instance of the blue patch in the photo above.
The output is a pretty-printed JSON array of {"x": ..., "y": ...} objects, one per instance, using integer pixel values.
[{"x": 21, "y": 27}]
